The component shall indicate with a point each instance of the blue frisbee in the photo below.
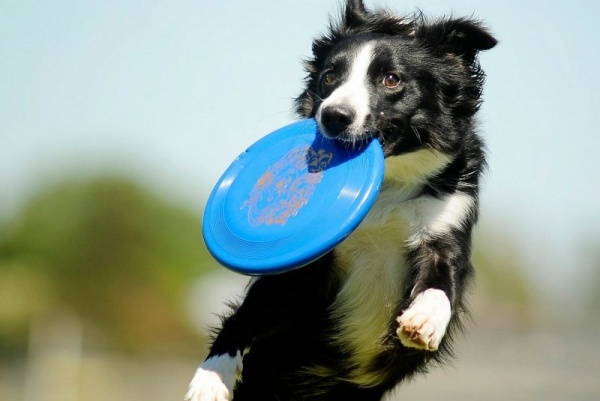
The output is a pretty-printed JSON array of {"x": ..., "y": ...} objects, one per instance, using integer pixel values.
[{"x": 289, "y": 199}]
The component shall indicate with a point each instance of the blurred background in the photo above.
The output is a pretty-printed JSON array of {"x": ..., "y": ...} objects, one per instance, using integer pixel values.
[{"x": 118, "y": 117}]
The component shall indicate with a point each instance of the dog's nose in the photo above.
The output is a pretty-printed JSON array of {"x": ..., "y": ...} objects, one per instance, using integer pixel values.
[{"x": 336, "y": 119}]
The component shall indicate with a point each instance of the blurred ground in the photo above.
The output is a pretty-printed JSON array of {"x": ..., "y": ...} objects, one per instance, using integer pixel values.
[{"x": 497, "y": 360}]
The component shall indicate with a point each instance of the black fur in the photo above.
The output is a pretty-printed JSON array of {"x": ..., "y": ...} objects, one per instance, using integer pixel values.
[{"x": 286, "y": 320}]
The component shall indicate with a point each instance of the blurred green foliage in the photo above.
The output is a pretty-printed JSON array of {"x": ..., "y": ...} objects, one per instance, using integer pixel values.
[
  {"x": 120, "y": 258},
  {"x": 500, "y": 270},
  {"x": 592, "y": 251},
  {"x": 116, "y": 254}
]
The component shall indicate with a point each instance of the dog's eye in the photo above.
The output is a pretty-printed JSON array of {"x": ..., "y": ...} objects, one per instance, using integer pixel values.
[
  {"x": 330, "y": 77},
  {"x": 391, "y": 80}
]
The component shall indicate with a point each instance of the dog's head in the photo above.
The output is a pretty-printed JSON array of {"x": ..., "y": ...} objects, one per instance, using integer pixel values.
[{"x": 410, "y": 82}]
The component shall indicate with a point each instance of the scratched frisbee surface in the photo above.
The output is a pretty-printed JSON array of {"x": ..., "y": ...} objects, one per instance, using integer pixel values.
[{"x": 289, "y": 199}]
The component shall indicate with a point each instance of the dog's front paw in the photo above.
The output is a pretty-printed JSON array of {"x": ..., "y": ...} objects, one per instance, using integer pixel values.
[
  {"x": 215, "y": 379},
  {"x": 424, "y": 323},
  {"x": 207, "y": 386}
]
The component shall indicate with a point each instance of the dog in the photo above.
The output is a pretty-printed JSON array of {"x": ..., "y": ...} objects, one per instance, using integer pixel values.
[{"x": 385, "y": 303}]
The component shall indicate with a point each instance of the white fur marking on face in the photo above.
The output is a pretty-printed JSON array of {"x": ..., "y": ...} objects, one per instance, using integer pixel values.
[
  {"x": 354, "y": 93},
  {"x": 424, "y": 323},
  {"x": 215, "y": 379}
]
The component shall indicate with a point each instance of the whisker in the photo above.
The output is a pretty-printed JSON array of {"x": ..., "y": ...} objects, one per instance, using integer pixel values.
[
  {"x": 417, "y": 134},
  {"x": 315, "y": 94}
]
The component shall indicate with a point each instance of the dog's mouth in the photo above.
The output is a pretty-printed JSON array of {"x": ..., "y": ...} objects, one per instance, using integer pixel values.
[
  {"x": 345, "y": 126},
  {"x": 357, "y": 140},
  {"x": 352, "y": 139},
  {"x": 349, "y": 134}
]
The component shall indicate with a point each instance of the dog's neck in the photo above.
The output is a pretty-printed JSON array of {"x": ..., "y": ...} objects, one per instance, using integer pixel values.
[{"x": 415, "y": 168}]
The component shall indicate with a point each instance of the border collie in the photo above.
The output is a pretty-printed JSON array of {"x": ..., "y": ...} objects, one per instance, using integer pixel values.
[{"x": 387, "y": 300}]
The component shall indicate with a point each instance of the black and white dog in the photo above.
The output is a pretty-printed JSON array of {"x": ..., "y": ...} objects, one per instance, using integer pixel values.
[{"x": 387, "y": 300}]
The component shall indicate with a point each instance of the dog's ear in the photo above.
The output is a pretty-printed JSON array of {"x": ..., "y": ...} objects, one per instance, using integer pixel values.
[
  {"x": 355, "y": 13},
  {"x": 462, "y": 37},
  {"x": 356, "y": 18}
]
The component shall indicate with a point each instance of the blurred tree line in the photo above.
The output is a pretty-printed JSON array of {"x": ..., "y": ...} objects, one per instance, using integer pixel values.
[
  {"x": 115, "y": 254},
  {"x": 120, "y": 258}
]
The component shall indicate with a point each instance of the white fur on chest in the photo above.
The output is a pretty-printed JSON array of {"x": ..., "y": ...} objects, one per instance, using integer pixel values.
[{"x": 373, "y": 259}]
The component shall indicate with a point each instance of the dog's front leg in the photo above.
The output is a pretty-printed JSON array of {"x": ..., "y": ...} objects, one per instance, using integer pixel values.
[
  {"x": 272, "y": 302},
  {"x": 440, "y": 271},
  {"x": 215, "y": 379}
]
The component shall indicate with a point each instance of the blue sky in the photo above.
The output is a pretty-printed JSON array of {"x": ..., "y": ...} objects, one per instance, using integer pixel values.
[{"x": 170, "y": 92}]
